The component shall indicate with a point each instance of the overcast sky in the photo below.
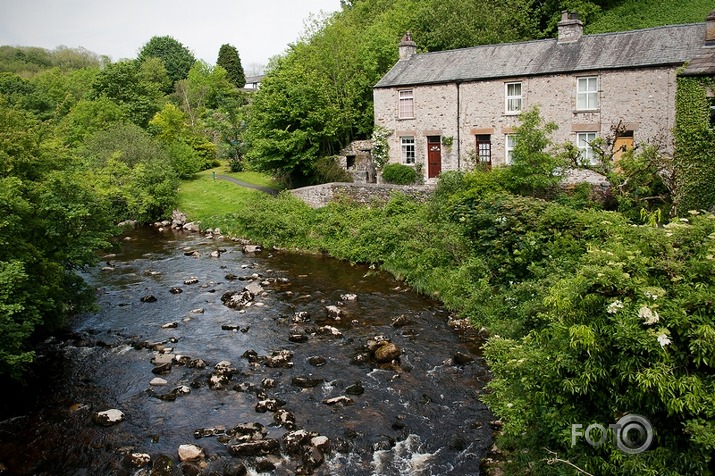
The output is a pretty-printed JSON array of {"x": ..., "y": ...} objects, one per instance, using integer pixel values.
[{"x": 259, "y": 29}]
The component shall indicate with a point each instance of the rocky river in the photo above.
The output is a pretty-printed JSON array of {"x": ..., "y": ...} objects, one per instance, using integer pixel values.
[{"x": 206, "y": 356}]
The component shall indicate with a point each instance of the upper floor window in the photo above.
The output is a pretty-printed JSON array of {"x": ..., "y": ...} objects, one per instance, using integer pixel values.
[
  {"x": 484, "y": 149},
  {"x": 513, "y": 98},
  {"x": 407, "y": 146},
  {"x": 583, "y": 142},
  {"x": 509, "y": 143},
  {"x": 407, "y": 104},
  {"x": 587, "y": 92}
]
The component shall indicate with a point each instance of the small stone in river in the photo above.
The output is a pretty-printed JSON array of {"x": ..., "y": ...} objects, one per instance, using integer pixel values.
[
  {"x": 348, "y": 297},
  {"x": 460, "y": 358},
  {"x": 158, "y": 382},
  {"x": 139, "y": 459},
  {"x": 298, "y": 338},
  {"x": 355, "y": 389},
  {"x": 149, "y": 298},
  {"x": 170, "y": 325},
  {"x": 108, "y": 417},
  {"x": 190, "y": 452},
  {"x": 176, "y": 290},
  {"x": 334, "y": 312},
  {"x": 317, "y": 361},
  {"x": 341, "y": 399},
  {"x": 162, "y": 369},
  {"x": 191, "y": 280}
]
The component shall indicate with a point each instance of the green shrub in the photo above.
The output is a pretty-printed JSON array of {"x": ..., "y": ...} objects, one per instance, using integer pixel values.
[{"x": 399, "y": 174}]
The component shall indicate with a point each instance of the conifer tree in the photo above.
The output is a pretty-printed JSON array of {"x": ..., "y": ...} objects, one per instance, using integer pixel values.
[{"x": 229, "y": 60}]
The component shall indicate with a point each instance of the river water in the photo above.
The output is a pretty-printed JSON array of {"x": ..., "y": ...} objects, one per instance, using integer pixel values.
[{"x": 419, "y": 414}]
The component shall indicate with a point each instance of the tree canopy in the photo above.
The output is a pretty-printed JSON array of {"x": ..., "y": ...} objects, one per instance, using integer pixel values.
[{"x": 177, "y": 58}]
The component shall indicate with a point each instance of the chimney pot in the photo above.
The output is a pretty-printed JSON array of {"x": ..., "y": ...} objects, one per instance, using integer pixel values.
[{"x": 407, "y": 46}]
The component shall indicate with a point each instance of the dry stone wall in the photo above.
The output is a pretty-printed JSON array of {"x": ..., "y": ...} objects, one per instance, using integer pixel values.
[{"x": 366, "y": 193}]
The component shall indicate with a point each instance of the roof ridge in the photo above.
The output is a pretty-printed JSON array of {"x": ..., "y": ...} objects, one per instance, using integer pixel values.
[{"x": 539, "y": 40}]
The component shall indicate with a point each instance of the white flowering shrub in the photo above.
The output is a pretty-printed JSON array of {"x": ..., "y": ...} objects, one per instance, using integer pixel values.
[{"x": 598, "y": 319}]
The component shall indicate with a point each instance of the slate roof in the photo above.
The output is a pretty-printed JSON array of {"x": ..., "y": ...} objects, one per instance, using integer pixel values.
[
  {"x": 660, "y": 46},
  {"x": 703, "y": 64}
]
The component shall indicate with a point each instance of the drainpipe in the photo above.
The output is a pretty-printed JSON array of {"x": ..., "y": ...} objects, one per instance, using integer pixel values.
[{"x": 459, "y": 142}]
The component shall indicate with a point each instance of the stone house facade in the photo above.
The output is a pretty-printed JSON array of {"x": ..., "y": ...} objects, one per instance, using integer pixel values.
[{"x": 452, "y": 109}]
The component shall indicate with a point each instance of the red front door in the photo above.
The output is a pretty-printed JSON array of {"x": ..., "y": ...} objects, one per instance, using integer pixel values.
[{"x": 434, "y": 156}]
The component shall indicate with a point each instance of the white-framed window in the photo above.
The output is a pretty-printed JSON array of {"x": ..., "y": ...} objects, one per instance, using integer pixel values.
[
  {"x": 407, "y": 146},
  {"x": 509, "y": 143},
  {"x": 583, "y": 142},
  {"x": 512, "y": 97},
  {"x": 406, "y": 108},
  {"x": 587, "y": 93}
]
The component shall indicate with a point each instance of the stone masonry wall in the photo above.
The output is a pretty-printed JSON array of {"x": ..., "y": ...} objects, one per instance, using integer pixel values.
[
  {"x": 366, "y": 193},
  {"x": 641, "y": 99}
]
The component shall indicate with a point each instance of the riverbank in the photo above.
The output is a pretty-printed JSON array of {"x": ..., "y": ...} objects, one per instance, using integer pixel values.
[{"x": 580, "y": 305}]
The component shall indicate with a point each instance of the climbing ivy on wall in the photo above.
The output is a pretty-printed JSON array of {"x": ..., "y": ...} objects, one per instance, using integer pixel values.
[{"x": 694, "y": 145}]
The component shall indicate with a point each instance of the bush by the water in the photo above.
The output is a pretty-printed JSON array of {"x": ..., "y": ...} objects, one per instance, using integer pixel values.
[{"x": 399, "y": 174}]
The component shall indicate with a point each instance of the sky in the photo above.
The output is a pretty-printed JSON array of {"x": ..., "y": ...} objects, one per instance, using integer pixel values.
[{"x": 259, "y": 29}]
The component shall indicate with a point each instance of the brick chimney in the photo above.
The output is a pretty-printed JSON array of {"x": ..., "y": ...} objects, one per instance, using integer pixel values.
[
  {"x": 407, "y": 46},
  {"x": 710, "y": 28},
  {"x": 570, "y": 27}
]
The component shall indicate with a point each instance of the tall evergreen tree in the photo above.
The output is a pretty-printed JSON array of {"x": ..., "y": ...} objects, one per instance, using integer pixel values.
[{"x": 229, "y": 60}]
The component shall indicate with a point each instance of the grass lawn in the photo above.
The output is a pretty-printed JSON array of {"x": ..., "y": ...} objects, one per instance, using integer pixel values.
[{"x": 203, "y": 197}]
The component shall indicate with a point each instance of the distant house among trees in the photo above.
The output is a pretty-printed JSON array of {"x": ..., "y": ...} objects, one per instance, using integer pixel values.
[
  {"x": 253, "y": 82},
  {"x": 450, "y": 107}
]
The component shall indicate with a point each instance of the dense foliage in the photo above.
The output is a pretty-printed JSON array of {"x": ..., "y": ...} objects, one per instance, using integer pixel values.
[
  {"x": 694, "y": 136},
  {"x": 176, "y": 58},
  {"x": 85, "y": 144}
]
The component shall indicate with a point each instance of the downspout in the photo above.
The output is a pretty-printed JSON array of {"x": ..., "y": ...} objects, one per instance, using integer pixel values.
[{"x": 459, "y": 142}]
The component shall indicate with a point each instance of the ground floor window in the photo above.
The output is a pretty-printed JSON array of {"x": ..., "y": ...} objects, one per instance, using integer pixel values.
[
  {"x": 509, "y": 143},
  {"x": 407, "y": 145},
  {"x": 583, "y": 142},
  {"x": 484, "y": 149}
]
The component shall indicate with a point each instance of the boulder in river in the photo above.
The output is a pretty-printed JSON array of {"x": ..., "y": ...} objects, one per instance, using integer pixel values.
[
  {"x": 237, "y": 300},
  {"x": 251, "y": 249},
  {"x": 190, "y": 453},
  {"x": 108, "y": 417},
  {"x": 387, "y": 353},
  {"x": 256, "y": 448}
]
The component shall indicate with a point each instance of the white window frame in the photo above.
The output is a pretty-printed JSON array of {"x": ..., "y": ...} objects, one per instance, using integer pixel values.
[
  {"x": 587, "y": 93},
  {"x": 513, "y": 102},
  {"x": 586, "y": 152},
  {"x": 407, "y": 150},
  {"x": 406, "y": 104},
  {"x": 509, "y": 143}
]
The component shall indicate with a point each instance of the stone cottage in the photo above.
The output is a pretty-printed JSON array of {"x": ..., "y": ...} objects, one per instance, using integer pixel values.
[{"x": 448, "y": 110}]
